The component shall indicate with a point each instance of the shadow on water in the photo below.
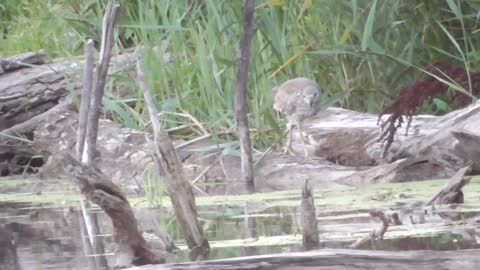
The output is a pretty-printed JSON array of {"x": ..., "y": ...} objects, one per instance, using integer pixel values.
[{"x": 49, "y": 237}]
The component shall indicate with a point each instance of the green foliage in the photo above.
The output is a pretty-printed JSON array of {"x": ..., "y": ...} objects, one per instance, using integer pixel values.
[
  {"x": 154, "y": 190},
  {"x": 362, "y": 52}
]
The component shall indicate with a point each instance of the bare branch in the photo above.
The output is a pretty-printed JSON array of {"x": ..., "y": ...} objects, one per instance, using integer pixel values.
[{"x": 241, "y": 107}]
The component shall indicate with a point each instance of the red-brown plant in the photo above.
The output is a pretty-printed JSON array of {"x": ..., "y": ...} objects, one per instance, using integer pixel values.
[{"x": 414, "y": 96}]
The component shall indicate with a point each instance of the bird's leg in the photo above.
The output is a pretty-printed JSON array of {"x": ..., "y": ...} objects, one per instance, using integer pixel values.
[
  {"x": 288, "y": 148},
  {"x": 302, "y": 138}
]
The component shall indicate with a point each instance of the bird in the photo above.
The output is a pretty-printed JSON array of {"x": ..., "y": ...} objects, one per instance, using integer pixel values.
[{"x": 297, "y": 99}]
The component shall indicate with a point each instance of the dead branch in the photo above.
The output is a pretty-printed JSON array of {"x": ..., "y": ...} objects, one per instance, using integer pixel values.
[
  {"x": 101, "y": 74},
  {"x": 170, "y": 169},
  {"x": 241, "y": 106},
  {"x": 452, "y": 192},
  {"x": 96, "y": 187},
  {"x": 86, "y": 96}
]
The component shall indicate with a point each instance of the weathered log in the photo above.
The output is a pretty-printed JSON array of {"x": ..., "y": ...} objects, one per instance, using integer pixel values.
[
  {"x": 340, "y": 259},
  {"x": 170, "y": 169},
  {"x": 310, "y": 237},
  {"x": 132, "y": 248},
  {"x": 351, "y": 138},
  {"x": 31, "y": 91},
  {"x": 29, "y": 96},
  {"x": 21, "y": 61},
  {"x": 452, "y": 192}
]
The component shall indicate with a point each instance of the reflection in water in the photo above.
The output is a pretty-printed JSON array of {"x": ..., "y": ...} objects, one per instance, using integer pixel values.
[
  {"x": 8, "y": 251},
  {"x": 250, "y": 228},
  {"x": 51, "y": 237}
]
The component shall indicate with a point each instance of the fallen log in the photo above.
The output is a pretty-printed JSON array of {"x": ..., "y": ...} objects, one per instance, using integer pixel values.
[
  {"x": 30, "y": 91},
  {"x": 340, "y": 259}
]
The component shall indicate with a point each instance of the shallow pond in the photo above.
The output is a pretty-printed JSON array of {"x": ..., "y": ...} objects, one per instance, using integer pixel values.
[{"x": 49, "y": 235}]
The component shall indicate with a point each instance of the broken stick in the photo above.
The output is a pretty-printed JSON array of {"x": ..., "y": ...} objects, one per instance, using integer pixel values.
[{"x": 452, "y": 192}]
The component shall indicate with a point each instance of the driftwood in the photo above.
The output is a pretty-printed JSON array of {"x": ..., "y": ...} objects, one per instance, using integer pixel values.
[
  {"x": 310, "y": 237},
  {"x": 452, "y": 192},
  {"x": 340, "y": 259},
  {"x": 132, "y": 249},
  {"x": 170, "y": 169},
  {"x": 241, "y": 105}
]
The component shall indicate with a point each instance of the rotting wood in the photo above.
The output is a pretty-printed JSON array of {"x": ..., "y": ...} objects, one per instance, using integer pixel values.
[
  {"x": 241, "y": 106},
  {"x": 452, "y": 192},
  {"x": 374, "y": 235},
  {"x": 339, "y": 259},
  {"x": 310, "y": 236},
  {"x": 170, "y": 170},
  {"x": 132, "y": 248}
]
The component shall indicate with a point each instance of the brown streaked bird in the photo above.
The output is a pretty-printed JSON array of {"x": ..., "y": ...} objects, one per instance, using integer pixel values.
[{"x": 297, "y": 99}]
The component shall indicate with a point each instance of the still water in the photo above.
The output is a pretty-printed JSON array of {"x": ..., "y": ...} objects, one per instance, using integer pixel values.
[{"x": 50, "y": 236}]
